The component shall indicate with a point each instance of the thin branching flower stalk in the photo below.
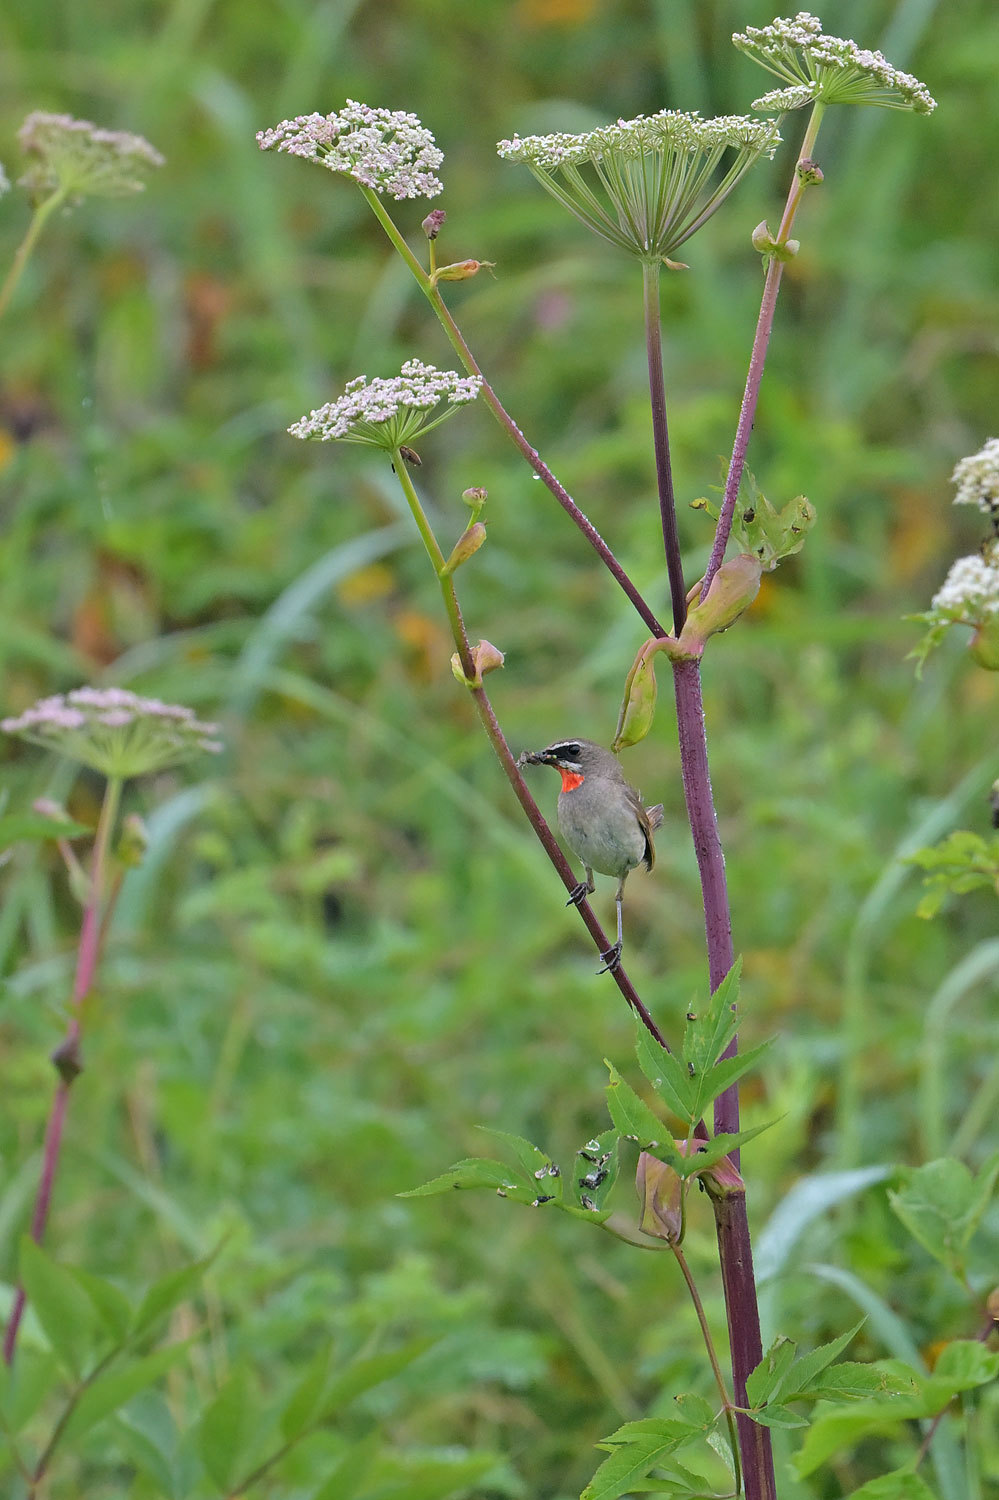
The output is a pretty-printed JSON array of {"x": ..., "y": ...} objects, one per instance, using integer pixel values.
[{"x": 120, "y": 735}]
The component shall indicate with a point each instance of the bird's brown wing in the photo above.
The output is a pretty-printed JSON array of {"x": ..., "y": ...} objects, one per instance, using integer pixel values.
[{"x": 649, "y": 819}]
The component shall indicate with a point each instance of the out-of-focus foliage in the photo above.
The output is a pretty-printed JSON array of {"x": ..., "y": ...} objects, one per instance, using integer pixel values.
[{"x": 345, "y": 949}]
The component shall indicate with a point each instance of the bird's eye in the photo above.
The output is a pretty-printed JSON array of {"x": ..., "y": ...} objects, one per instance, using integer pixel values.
[{"x": 568, "y": 751}]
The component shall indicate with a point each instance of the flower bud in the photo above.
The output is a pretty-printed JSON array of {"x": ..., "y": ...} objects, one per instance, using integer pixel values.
[
  {"x": 809, "y": 171},
  {"x": 461, "y": 270},
  {"x": 733, "y": 589},
  {"x": 659, "y": 1190},
  {"x": 434, "y": 223},
  {"x": 639, "y": 705},
  {"x": 485, "y": 658},
  {"x": 468, "y": 543},
  {"x": 475, "y": 498}
]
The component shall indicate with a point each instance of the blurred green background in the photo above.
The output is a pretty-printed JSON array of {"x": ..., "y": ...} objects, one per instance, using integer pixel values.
[{"x": 346, "y": 950}]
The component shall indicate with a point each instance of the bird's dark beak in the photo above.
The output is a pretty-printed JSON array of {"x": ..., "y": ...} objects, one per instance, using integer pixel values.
[{"x": 533, "y": 758}]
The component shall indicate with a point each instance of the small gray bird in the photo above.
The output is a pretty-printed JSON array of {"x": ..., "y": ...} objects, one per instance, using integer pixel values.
[{"x": 602, "y": 819}]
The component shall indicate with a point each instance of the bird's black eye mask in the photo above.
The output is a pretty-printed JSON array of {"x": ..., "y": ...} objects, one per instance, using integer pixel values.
[{"x": 567, "y": 751}]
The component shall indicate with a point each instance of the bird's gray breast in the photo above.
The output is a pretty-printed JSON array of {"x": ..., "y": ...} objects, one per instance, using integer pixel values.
[{"x": 601, "y": 828}]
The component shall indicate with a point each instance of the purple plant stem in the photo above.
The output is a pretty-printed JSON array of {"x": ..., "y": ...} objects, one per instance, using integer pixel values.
[
  {"x": 66, "y": 1057},
  {"x": 660, "y": 443},
  {"x": 731, "y": 1221},
  {"x": 757, "y": 358},
  {"x": 735, "y": 1255},
  {"x": 747, "y": 416}
]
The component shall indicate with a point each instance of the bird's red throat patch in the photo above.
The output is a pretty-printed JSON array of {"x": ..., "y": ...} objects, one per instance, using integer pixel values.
[{"x": 570, "y": 780}]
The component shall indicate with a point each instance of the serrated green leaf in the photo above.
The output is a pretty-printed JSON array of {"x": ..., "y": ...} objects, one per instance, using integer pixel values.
[
  {"x": 635, "y": 1455},
  {"x": 306, "y": 1399},
  {"x": 535, "y": 1163},
  {"x": 763, "y": 1380},
  {"x": 962, "y": 1365},
  {"x": 716, "y": 1080},
  {"x": 631, "y": 1115},
  {"x": 667, "y": 1075},
  {"x": 110, "y": 1303},
  {"x": 841, "y": 1427},
  {"x": 364, "y": 1374},
  {"x": 778, "y": 1416},
  {"x": 111, "y": 1391},
  {"x": 475, "y": 1172},
  {"x": 713, "y": 1150},
  {"x": 803, "y": 1372},
  {"x": 712, "y": 1026},
  {"x": 62, "y": 1307},
  {"x": 695, "y": 1410},
  {"x": 227, "y": 1430},
  {"x": 168, "y": 1292},
  {"x": 593, "y": 1179},
  {"x": 860, "y": 1381},
  {"x": 902, "y": 1484}
]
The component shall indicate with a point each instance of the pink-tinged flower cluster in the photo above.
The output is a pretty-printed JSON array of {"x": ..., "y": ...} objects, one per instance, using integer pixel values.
[
  {"x": 80, "y": 159},
  {"x": 386, "y": 150},
  {"x": 831, "y": 68},
  {"x": 388, "y": 413},
  {"x": 114, "y": 731}
]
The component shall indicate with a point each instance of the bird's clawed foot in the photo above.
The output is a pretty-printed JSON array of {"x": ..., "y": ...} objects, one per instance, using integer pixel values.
[
  {"x": 611, "y": 958},
  {"x": 579, "y": 893}
]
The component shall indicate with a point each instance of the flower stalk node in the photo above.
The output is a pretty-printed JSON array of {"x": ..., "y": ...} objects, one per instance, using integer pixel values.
[
  {"x": 67, "y": 1061},
  {"x": 485, "y": 658}
]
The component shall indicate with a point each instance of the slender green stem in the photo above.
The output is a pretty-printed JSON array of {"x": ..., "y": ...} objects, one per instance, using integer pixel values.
[
  {"x": 709, "y": 1344},
  {"x": 450, "y": 597},
  {"x": 39, "y": 218}
]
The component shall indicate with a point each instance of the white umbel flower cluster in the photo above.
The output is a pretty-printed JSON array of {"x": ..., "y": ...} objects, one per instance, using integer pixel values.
[
  {"x": 81, "y": 159},
  {"x": 115, "y": 731},
  {"x": 646, "y": 133},
  {"x": 977, "y": 479},
  {"x": 646, "y": 185},
  {"x": 970, "y": 591},
  {"x": 831, "y": 68},
  {"x": 388, "y": 413},
  {"x": 386, "y": 150}
]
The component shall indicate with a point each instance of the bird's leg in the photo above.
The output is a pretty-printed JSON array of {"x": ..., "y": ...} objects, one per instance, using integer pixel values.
[
  {"x": 584, "y": 888},
  {"x": 613, "y": 955}
]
